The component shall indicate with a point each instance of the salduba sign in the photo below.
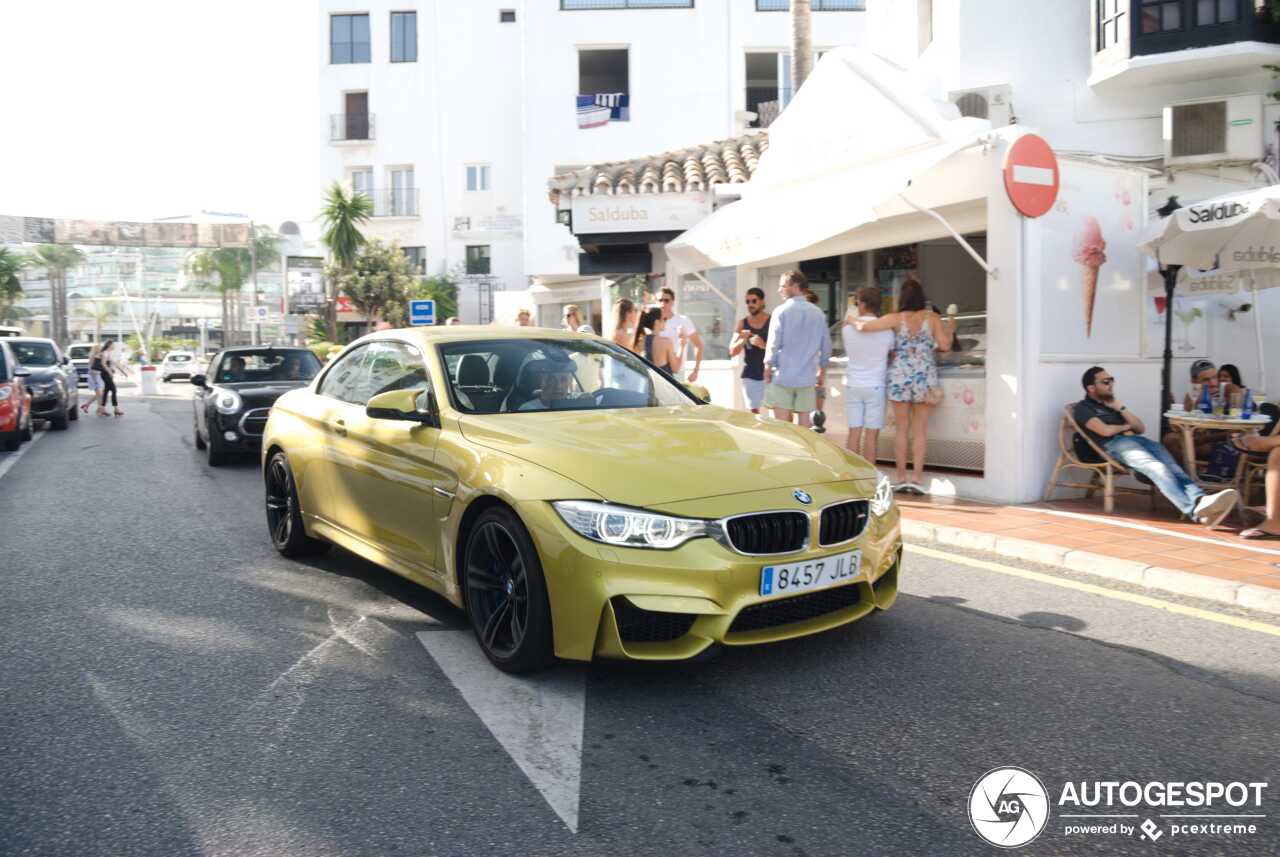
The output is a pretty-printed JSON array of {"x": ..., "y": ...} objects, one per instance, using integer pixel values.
[{"x": 667, "y": 212}]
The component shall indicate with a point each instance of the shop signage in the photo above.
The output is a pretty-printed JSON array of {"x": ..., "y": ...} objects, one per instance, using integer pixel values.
[
  {"x": 665, "y": 212},
  {"x": 1031, "y": 176}
]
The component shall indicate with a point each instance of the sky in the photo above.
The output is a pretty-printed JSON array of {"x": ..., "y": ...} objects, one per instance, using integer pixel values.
[{"x": 141, "y": 109}]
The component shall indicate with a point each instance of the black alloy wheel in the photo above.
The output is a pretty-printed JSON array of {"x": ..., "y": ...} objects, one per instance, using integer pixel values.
[
  {"x": 284, "y": 516},
  {"x": 506, "y": 594}
]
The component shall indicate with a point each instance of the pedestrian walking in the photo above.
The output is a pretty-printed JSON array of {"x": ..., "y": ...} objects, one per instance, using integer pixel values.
[
  {"x": 626, "y": 316},
  {"x": 655, "y": 346},
  {"x": 867, "y": 374},
  {"x": 819, "y": 390},
  {"x": 912, "y": 379},
  {"x": 108, "y": 367},
  {"x": 797, "y": 352},
  {"x": 93, "y": 379},
  {"x": 750, "y": 340}
]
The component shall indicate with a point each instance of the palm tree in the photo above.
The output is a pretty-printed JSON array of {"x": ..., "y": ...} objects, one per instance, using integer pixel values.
[
  {"x": 342, "y": 215},
  {"x": 801, "y": 41},
  {"x": 11, "y": 264},
  {"x": 232, "y": 266},
  {"x": 57, "y": 259},
  {"x": 99, "y": 314}
]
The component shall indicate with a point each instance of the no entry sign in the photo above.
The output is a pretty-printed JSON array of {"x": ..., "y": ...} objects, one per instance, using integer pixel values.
[{"x": 1031, "y": 175}]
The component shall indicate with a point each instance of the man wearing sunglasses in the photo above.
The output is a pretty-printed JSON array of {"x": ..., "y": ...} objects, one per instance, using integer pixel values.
[
  {"x": 679, "y": 327},
  {"x": 751, "y": 336},
  {"x": 1119, "y": 431}
]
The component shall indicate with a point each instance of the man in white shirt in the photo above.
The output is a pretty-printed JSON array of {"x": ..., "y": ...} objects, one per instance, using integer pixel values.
[
  {"x": 675, "y": 323},
  {"x": 865, "y": 378},
  {"x": 573, "y": 320}
]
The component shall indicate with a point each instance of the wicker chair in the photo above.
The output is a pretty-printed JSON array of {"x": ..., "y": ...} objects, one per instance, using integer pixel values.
[
  {"x": 1255, "y": 467},
  {"x": 1103, "y": 471}
]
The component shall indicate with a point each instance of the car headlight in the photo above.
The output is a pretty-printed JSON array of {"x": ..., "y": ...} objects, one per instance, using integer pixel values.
[
  {"x": 227, "y": 402},
  {"x": 882, "y": 500},
  {"x": 632, "y": 528}
]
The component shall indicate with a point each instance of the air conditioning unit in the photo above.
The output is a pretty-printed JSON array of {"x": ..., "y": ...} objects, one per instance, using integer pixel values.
[
  {"x": 986, "y": 102},
  {"x": 1213, "y": 130}
]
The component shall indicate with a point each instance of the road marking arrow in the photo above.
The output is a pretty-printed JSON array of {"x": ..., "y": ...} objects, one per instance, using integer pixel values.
[{"x": 538, "y": 720}]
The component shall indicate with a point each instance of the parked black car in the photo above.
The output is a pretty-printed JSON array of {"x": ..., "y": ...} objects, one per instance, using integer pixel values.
[
  {"x": 55, "y": 397},
  {"x": 232, "y": 402}
]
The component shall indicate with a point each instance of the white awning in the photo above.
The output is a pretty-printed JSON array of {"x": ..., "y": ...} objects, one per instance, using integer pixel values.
[{"x": 856, "y": 135}]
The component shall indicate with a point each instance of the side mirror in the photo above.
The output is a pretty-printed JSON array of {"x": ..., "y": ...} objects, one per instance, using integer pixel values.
[
  {"x": 397, "y": 405},
  {"x": 20, "y": 372},
  {"x": 65, "y": 361},
  {"x": 699, "y": 392},
  {"x": 199, "y": 381}
]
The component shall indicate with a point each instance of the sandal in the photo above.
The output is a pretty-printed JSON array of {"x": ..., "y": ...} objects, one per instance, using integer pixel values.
[
  {"x": 1258, "y": 534},
  {"x": 119, "y": 412}
]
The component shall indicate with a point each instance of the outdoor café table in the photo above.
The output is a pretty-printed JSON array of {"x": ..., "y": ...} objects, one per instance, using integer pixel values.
[{"x": 1190, "y": 422}]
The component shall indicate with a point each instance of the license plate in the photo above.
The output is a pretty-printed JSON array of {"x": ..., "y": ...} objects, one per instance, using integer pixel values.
[{"x": 810, "y": 574}]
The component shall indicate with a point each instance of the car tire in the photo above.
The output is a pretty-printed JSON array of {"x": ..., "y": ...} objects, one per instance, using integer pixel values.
[
  {"x": 29, "y": 432},
  {"x": 11, "y": 442},
  {"x": 60, "y": 421},
  {"x": 505, "y": 594},
  {"x": 284, "y": 512},
  {"x": 195, "y": 430},
  {"x": 215, "y": 452},
  {"x": 73, "y": 413}
]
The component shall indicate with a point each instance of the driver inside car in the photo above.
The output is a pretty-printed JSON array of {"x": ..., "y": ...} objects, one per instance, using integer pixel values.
[{"x": 555, "y": 386}]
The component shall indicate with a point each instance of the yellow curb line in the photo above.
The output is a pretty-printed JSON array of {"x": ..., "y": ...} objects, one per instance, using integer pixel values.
[{"x": 1132, "y": 598}]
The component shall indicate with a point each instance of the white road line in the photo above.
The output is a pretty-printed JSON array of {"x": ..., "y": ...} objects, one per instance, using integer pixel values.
[
  {"x": 538, "y": 721},
  {"x": 13, "y": 458}
]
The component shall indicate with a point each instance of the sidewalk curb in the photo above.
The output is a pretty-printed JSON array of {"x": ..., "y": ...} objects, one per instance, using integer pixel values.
[{"x": 1231, "y": 592}]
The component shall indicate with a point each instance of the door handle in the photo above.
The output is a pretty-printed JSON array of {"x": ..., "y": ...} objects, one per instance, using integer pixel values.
[{"x": 340, "y": 427}]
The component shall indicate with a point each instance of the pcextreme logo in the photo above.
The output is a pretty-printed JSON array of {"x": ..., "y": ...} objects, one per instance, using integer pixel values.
[{"x": 1010, "y": 806}]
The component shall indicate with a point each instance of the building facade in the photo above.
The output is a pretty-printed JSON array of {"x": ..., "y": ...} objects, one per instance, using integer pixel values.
[{"x": 451, "y": 116}]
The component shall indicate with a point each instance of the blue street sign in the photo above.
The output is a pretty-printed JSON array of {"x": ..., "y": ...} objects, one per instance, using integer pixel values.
[{"x": 422, "y": 312}]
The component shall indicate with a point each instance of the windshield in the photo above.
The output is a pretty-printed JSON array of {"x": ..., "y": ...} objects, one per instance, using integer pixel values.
[
  {"x": 267, "y": 365},
  {"x": 35, "y": 353},
  {"x": 504, "y": 375},
  {"x": 178, "y": 358},
  {"x": 80, "y": 352}
]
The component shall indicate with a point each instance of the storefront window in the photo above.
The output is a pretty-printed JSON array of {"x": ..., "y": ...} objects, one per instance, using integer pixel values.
[{"x": 708, "y": 302}]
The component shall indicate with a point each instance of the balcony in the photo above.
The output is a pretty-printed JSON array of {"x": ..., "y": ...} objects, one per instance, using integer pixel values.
[
  {"x": 1157, "y": 42},
  {"x": 350, "y": 127},
  {"x": 394, "y": 202},
  {"x": 814, "y": 5}
]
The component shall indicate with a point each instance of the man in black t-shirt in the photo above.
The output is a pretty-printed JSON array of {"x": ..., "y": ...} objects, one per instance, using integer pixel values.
[
  {"x": 1119, "y": 431},
  {"x": 751, "y": 336}
]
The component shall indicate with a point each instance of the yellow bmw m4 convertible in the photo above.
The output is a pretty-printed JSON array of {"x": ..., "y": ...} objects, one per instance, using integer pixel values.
[{"x": 573, "y": 499}]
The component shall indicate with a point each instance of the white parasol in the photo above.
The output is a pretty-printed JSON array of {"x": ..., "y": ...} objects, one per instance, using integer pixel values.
[{"x": 1233, "y": 240}]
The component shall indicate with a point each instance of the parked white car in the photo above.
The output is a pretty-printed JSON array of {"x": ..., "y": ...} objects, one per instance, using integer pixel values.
[{"x": 178, "y": 364}]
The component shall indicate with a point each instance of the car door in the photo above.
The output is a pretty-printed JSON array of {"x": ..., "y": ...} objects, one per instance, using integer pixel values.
[
  {"x": 390, "y": 474},
  {"x": 317, "y": 471}
]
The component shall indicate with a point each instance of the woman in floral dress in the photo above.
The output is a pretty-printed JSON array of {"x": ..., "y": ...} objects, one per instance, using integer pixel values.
[{"x": 912, "y": 383}]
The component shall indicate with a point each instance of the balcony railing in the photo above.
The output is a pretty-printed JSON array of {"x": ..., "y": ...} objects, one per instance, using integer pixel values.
[
  {"x": 814, "y": 5},
  {"x": 571, "y": 5},
  {"x": 350, "y": 126},
  {"x": 1176, "y": 25},
  {"x": 394, "y": 202}
]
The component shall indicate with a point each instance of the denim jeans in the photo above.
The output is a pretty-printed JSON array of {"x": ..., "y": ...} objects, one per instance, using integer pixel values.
[{"x": 1153, "y": 461}]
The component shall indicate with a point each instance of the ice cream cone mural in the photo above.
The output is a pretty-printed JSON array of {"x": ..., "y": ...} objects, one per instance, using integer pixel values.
[{"x": 1088, "y": 252}]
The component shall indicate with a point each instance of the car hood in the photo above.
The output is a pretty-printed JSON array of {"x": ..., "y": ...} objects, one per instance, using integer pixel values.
[
  {"x": 44, "y": 374},
  {"x": 260, "y": 395},
  {"x": 651, "y": 456}
]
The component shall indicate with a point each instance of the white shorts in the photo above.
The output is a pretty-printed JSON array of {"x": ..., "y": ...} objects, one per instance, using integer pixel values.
[
  {"x": 95, "y": 381},
  {"x": 864, "y": 407},
  {"x": 753, "y": 391}
]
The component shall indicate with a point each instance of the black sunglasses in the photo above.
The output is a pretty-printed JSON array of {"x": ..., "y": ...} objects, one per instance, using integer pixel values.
[{"x": 1105, "y": 381}]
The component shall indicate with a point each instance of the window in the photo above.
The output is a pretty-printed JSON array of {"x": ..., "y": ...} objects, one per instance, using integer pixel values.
[
  {"x": 1161, "y": 16},
  {"x": 404, "y": 196},
  {"x": 404, "y": 36},
  {"x": 506, "y": 16},
  {"x": 477, "y": 258},
  {"x": 1112, "y": 20},
  {"x": 603, "y": 87},
  {"x": 348, "y": 39},
  {"x": 362, "y": 181},
  {"x": 477, "y": 176},
  {"x": 356, "y": 121},
  {"x": 1210, "y": 12},
  {"x": 344, "y": 377},
  {"x": 417, "y": 257},
  {"x": 815, "y": 5},
  {"x": 768, "y": 85},
  {"x": 391, "y": 366},
  {"x": 625, "y": 4}
]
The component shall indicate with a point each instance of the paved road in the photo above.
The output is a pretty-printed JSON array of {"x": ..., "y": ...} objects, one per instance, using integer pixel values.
[{"x": 169, "y": 686}]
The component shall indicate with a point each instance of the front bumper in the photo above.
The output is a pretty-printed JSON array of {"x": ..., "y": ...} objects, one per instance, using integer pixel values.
[
  {"x": 246, "y": 426},
  {"x": 669, "y": 605},
  {"x": 47, "y": 407}
]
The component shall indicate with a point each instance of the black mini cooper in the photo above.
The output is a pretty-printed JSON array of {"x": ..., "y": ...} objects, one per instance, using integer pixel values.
[{"x": 232, "y": 402}]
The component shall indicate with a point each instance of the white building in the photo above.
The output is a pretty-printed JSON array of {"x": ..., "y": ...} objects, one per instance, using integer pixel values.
[{"x": 452, "y": 115}]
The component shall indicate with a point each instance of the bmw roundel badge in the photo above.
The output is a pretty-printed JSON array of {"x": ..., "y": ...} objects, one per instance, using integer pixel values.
[{"x": 803, "y": 497}]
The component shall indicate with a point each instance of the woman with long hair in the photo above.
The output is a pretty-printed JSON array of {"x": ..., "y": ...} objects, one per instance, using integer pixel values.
[
  {"x": 912, "y": 382},
  {"x": 624, "y": 317},
  {"x": 655, "y": 347},
  {"x": 108, "y": 366},
  {"x": 93, "y": 379}
]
